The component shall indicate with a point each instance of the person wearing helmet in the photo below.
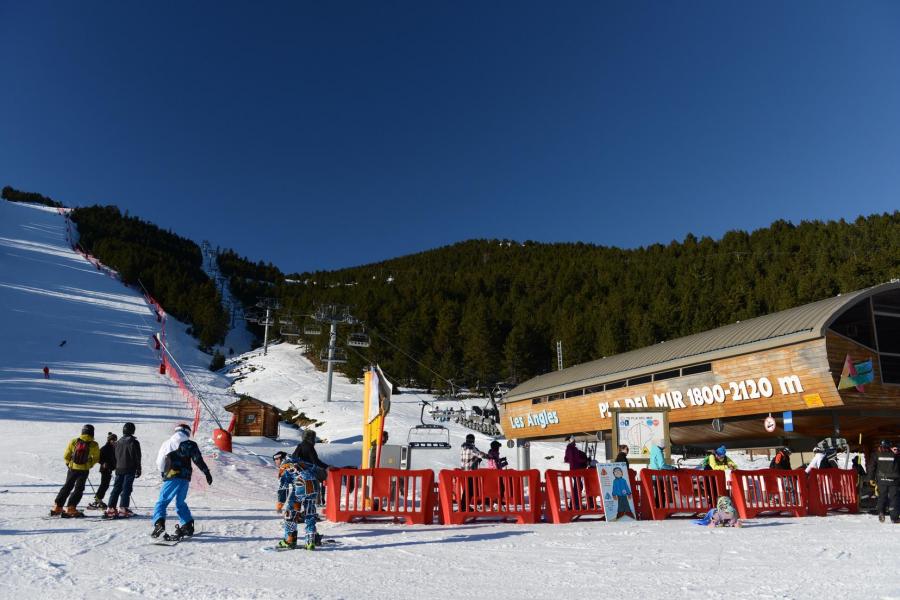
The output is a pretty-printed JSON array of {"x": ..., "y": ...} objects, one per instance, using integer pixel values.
[
  {"x": 298, "y": 490},
  {"x": 885, "y": 474},
  {"x": 174, "y": 464},
  {"x": 825, "y": 458},
  {"x": 128, "y": 468},
  {"x": 81, "y": 455},
  {"x": 724, "y": 514},
  {"x": 719, "y": 461},
  {"x": 782, "y": 459}
]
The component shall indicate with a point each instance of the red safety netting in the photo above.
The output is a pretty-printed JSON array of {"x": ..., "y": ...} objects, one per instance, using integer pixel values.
[
  {"x": 490, "y": 493},
  {"x": 769, "y": 491},
  {"x": 355, "y": 494}
]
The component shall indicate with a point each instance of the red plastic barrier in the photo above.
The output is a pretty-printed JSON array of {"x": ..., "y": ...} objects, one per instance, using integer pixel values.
[
  {"x": 372, "y": 493},
  {"x": 832, "y": 489},
  {"x": 771, "y": 491},
  {"x": 688, "y": 492},
  {"x": 490, "y": 493},
  {"x": 641, "y": 506},
  {"x": 572, "y": 495}
]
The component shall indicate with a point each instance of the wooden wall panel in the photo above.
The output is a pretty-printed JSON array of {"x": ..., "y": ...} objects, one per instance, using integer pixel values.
[
  {"x": 806, "y": 363},
  {"x": 876, "y": 395}
]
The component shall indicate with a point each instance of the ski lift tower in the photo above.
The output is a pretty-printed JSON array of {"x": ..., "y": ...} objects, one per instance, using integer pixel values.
[
  {"x": 269, "y": 305},
  {"x": 334, "y": 315}
]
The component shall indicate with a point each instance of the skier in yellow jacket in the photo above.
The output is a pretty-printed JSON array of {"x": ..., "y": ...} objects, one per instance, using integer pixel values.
[
  {"x": 81, "y": 455},
  {"x": 719, "y": 461}
]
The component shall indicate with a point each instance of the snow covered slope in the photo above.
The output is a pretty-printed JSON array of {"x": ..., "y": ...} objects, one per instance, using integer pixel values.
[{"x": 106, "y": 373}]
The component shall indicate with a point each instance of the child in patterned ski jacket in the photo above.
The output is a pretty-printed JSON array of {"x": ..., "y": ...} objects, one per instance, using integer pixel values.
[{"x": 298, "y": 490}]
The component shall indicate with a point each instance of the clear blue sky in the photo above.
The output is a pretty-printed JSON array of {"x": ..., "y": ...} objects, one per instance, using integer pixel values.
[{"x": 319, "y": 135}]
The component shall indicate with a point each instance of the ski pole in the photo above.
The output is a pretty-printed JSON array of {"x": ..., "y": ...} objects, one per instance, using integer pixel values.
[
  {"x": 132, "y": 502},
  {"x": 92, "y": 485}
]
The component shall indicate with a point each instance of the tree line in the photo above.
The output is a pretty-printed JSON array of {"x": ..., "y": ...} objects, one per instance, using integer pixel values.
[
  {"x": 169, "y": 266},
  {"x": 14, "y": 195},
  {"x": 482, "y": 311}
]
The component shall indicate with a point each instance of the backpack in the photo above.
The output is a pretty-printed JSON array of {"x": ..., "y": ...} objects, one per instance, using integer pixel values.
[{"x": 80, "y": 452}]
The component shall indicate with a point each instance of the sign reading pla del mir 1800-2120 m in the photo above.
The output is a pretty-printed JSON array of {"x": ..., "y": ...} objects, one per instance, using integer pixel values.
[{"x": 746, "y": 389}]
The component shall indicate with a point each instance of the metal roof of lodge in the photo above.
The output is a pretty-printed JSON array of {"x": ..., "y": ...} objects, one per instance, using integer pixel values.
[{"x": 802, "y": 323}]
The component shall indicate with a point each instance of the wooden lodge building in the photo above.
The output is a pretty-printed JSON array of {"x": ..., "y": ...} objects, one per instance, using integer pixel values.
[
  {"x": 253, "y": 417},
  {"x": 787, "y": 362}
]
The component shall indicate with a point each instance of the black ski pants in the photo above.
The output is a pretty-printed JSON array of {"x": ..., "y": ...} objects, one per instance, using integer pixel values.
[
  {"x": 889, "y": 498},
  {"x": 105, "y": 477},
  {"x": 73, "y": 488}
]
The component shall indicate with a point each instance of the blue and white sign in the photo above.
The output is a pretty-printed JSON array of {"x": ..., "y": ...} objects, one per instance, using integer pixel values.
[
  {"x": 618, "y": 500},
  {"x": 788, "y": 420}
]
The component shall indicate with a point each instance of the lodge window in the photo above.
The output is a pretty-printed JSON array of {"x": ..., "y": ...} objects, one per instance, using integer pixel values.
[
  {"x": 249, "y": 418},
  {"x": 640, "y": 380},
  {"x": 615, "y": 385},
  {"x": 553, "y": 397},
  {"x": 593, "y": 390},
  {"x": 887, "y": 328},
  {"x": 571, "y": 393},
  {"x": 890, "y": 369},
  {"x": 667, "y": 375},
  {"x": 694, "y": 369},
  {"x": 856, "y": 324},
  {"x": 538, "y": 400},
  {"x": 887, "y": 302}
]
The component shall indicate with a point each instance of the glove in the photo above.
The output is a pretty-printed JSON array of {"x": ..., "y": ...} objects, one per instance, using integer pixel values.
[
  {"x": 279, "y": 506},
  {"x": 873, "y": 484},
  {"x": 137, "y": 475},
  {"x": 209, "y": 478}
]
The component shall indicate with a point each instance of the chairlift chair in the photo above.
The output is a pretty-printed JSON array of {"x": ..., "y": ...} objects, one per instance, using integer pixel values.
[
  {"x": 263, "y": 321},
  {"x": 285, "y": 320},
  {"x": 340, "y": 356},
  {"x": 312, "y": 328},
  {"x": 289, "y": 331},
  {"x": 434, "y": 437},
  {"x": 358, "y": 339}
]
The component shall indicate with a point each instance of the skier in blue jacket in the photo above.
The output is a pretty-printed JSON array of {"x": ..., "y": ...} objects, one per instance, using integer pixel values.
[
  {"x": 174, "y": 464},
  {"x": 298, "y": 490}
]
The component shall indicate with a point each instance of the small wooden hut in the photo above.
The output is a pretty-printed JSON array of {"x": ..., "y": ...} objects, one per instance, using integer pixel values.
[{"x": 254, "y": 418}]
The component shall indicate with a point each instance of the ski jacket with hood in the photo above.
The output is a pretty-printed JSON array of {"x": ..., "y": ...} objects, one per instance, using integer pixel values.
[
  {"x": 128, "y": 456},
  {"x": 658, "y": 459},
  {"x": 782, "y": 460},
  {"x": 723, "y": 464},
  {"x": 108, "y": 457},
  {"x": 175, "y": 457},
  {"x": 575, "y": 458},
  {"x": 885, "y": 466},
  {"x": 93, "y": 453}
]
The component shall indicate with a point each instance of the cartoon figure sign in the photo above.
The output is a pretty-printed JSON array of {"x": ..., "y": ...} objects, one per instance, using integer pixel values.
[{"x": 618, "y": 501}]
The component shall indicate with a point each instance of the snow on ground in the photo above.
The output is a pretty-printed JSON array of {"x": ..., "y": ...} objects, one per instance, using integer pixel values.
[{"x": 106, "y": 373}]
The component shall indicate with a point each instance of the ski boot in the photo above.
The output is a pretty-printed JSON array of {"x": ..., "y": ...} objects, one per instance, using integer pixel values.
[
  {"x": 97, "y": 504},
  {"x": 311, "y": 541},
  {"x": 72, "y": 512},
  {"x": 111, "y": 513},
  {"x": 125, "y": 513},
  {"x": 56, "y": 511},
  {"x": 290, "y": 542},
  {"x": 186, "y": 530},
  {"x": 159, "y": 528},
  {"x": 881, "y": 517}
]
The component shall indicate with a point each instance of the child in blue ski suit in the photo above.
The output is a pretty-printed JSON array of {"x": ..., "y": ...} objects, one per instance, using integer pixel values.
[
  {"x": 622, "y": 492},
  {"x": 298, "y": 490}
]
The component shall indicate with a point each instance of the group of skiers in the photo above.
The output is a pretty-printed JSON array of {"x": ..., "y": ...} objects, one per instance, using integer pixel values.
[{"x": 119, "y": 456}]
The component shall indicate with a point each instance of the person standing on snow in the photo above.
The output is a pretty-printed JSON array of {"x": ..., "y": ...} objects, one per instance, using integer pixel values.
[
  {"x": 825, "y": 458},
  {"x": 81, "y": 455},
  {"x": 719, "y": 461},
  {"x": 782, "y": 459},
  {"x": 107, "y": 465},
  {"x": 658, "y": 458},
  {"x": 306, "y": 452},
  {"x": 174, "y": 465},
  {"x": 574, "y": 457},
  {"x": 885, "y": 473},
  {"x": 298, "y": 490},
  {"x": 128, "y": 468}
]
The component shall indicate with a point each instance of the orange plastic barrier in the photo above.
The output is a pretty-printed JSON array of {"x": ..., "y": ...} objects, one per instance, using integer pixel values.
[
  {"x": 832, "y": 489},
  {"x": 641, "y": 506},
  {"x": 688, "y": 492},
  {"x": 373, "y": 493},
  {"x": 490, "y": 493},
  {"x": 772, "y": 491},
  {"x": 572, "y": 495}
]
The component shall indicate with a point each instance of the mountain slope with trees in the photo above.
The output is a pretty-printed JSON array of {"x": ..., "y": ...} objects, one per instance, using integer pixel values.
[{"x": 481, "y": 311}]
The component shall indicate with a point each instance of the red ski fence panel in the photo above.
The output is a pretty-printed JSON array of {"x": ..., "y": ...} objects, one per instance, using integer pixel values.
[
  {"x": 355, "y": 494},
  {"x": 688, "y": 492},
  {"x": 832, "y": 489},
  {"x": 490, "y": 493},
  {"x": 771, "y": 491},
  {"x": 572, "y": 495}
]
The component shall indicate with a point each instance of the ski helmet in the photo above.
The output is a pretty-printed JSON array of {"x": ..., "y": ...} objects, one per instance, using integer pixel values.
[
  {"x": 128, "y": 429},
  {"x": 720, "y": 451},
  {"x": 88, "y": 430},
  {"x": 280, "y": 455},
  {"x": 183, "y": 427},
  {"x": 724, "y": 503},
  {"x": 470, "y": 438}
]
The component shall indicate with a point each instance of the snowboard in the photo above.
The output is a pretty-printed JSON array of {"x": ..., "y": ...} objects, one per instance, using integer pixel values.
[
  {"x": 161, "y": 541},
  {"x": 322, "y": 543}
]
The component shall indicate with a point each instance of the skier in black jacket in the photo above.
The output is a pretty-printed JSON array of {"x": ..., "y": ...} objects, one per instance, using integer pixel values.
[
  {"x": 107, "y": 466},
  {"x": 306, "y": 450},
  {"x": 128, "y": 468},
  {"x": 885, "y": 473}
]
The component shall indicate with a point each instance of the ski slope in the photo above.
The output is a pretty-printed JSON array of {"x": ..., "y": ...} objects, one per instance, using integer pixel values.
[{"x": 106, "y": 373}]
